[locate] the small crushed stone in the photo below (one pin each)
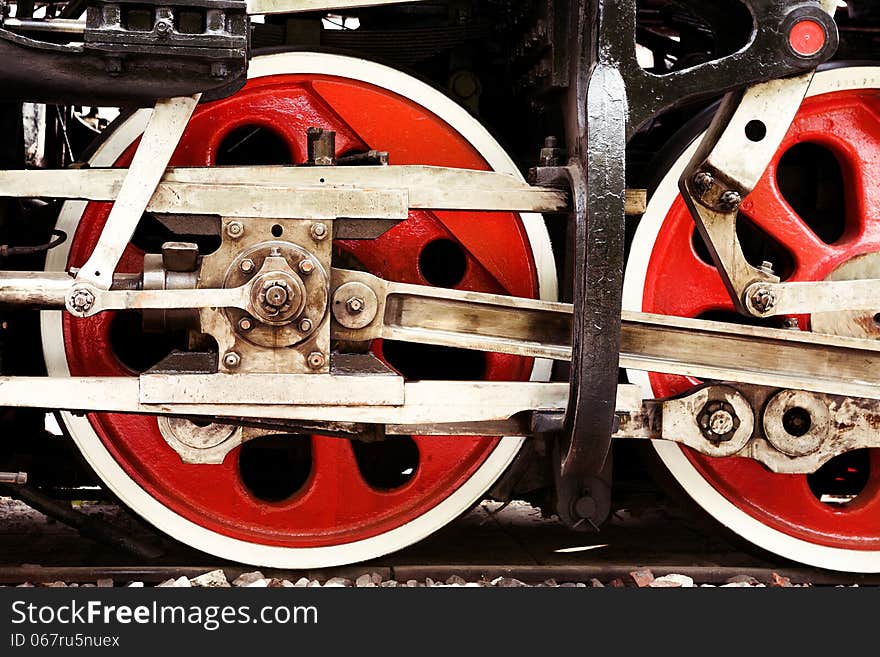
(639, 578)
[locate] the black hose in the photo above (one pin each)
(60, 238)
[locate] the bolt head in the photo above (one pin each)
(355, 304)
(235, 229)
(163, 27)
(703, 182)
(729, 201)
(763, 299)
(82, 300)
(247, 265)
(720, 422)
(306, 266)
(318, 231)
(231, 360)
(305, 325)
(316, 360)
(245, 324)
(276, 296)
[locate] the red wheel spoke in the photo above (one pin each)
(677, 265)
(862, 176)
(336, 488)
(766, 208)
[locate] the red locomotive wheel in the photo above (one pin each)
(815, 215)
(306, 501)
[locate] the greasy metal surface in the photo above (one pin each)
(361, 192)
(113, 65)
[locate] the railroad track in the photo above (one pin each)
(513, 543)
(531, 574)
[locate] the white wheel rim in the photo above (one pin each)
(136, 498)
(672, 456)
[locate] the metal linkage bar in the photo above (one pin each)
(157, 145)
(454, 318)
(298, 192)
(789, 431)
(365, 308)
(744, 136)
(300, 6)
(424, 402)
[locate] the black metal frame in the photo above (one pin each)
(610, 98)
(121, 63)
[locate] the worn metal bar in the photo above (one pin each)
(599, 258)
(274, 389)
(301, 6)
(299, 192)
(157, 145)
(458, 318)
(13, 477)
(425, 401)
(489, 322)
(51, 25)
(796, 298)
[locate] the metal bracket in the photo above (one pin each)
(789, 431)
(157, 145)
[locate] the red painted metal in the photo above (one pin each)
(807, 37)
(335, 505)
(679, 283)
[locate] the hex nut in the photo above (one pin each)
(318, 231)
(316, 360)
(718, 421)
(231, 360)
(235, 229)
(247, 265)
(762, 299)
(729, 201)
(703, 182)
(355, 304)
(163, 27)
(306, 266)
